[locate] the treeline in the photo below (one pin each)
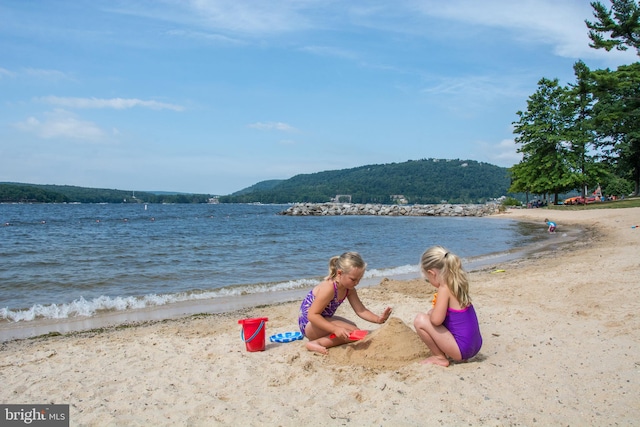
(587, 133)
(423, 181)
(37, 193)
(29, 194)
(418, 181)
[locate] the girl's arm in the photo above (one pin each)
(439, 311)
(363, 312)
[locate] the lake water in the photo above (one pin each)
(70, 261)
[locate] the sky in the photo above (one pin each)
(213, 96)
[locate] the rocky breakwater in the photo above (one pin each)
(328, 209)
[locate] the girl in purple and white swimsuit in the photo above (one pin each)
(450, 329)
(317, 320)
(328, 311)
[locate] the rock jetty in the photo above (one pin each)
(329, 209)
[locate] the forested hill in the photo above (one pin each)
(37, 193)
(419, 181)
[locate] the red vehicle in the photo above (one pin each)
(579, 200)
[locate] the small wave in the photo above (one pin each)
(82, 307)
(395, 271)
(87, 308)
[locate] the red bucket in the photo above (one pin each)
(253, 333)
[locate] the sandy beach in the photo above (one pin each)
(561, 347)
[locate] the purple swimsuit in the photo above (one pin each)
(463, 325)
(328, 311)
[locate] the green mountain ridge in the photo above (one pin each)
(415, 181)
(260, 186)
(14, 192)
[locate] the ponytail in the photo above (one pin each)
(450, 267)
(345, 262)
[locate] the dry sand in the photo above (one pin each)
(561, 347)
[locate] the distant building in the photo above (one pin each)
(399, 199)
(342, 198)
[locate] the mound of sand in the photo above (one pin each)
(392, 346)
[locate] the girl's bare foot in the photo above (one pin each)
(436, 360)
(314, 346)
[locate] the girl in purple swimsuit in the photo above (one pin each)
(316, 319)
(450, 329)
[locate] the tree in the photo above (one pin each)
(541, 131)
(614, 185)
(583, 157)
(522, 178)
(617, 118)
(618, 27)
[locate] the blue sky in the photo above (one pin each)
(212, 96)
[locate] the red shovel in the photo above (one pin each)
(356, 335)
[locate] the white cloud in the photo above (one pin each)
(559, 24)
(503, 153)
(61, 124)
(209, 37)
(253, 16)
(329, 51)
(115, 103)
(38, 73)
(272, 126)
(483, 87)
(45, 74)
(6, 73)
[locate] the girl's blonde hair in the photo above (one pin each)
(450, 271)
(345, 262)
